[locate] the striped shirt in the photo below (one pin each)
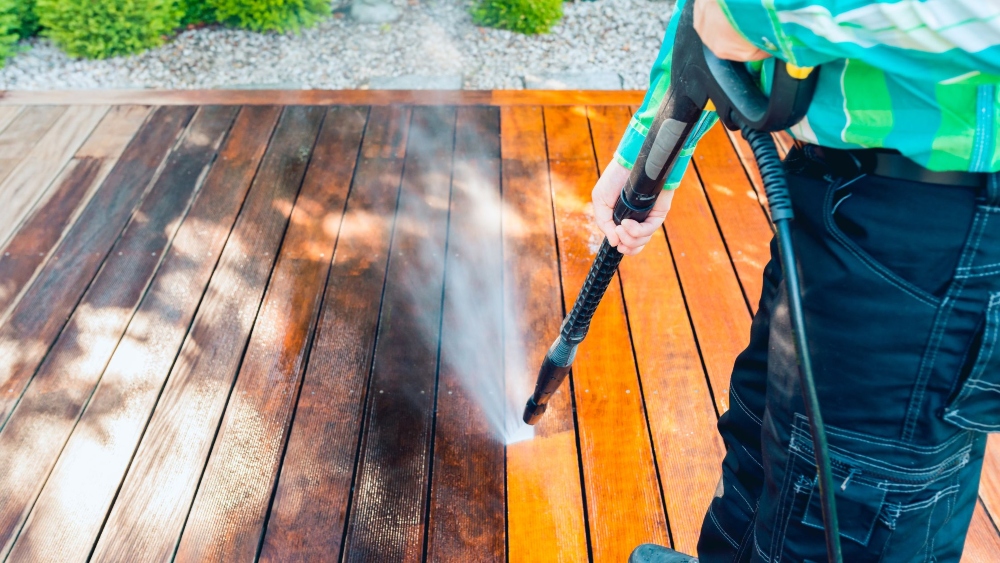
(918, 76)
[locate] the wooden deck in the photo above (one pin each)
(237, 332)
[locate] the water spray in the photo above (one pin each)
(701, 81)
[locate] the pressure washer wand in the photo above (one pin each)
(699, 78)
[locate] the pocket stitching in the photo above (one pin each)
(985, 355)
(870, 263)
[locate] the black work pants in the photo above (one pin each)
(901, 289)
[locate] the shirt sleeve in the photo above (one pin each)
(943, 41)
(638, 127)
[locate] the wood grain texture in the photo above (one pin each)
(147, 518)
(989, 484)
(715, 301)
(7, 114)
(614, 437)
(324, 97)
(227, 518)
(982, 544)
(681, 413)
(23, 133)
(744, 226)
(33, 324)
(544, 495)
(30, 181)
(387, 517)
(71, 509)
(745, 155)
(30, 246)
(309, 513)
(45, 416)
(467, 509)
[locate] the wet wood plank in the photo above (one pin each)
(467, 513)
(71, 509)
(30, 247)
(544, 495)
(45, 416)
(744, 226)
(36, 320)
(388, 513)
(719, 312)
(228, 515)
(307, 519)
(23, 133)
(30, 182)
(682, 417)
(614, 437)
(148, 516)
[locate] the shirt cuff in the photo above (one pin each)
(759, 25)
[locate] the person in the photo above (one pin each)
(897, 230)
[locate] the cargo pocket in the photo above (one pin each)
(976, 405)
(889, 495)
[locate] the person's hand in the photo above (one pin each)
(631, 236)
(719, 35)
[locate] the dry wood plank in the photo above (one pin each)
(23, 132)
(228, 515)
(614, 437)
(715, 301)
(29, 247)
(38, 428)
(387, 516)
(544, 495)
(745, 155)
(323, 97)
(41, 313)
(681, 414)
(147, 518)
(30, 181)
(982, 543)
(309, 512)
(71, 509)
(744, 226)
(7, 114)
(467, 509)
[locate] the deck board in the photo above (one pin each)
(244, 380)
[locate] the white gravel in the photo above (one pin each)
(433, 38)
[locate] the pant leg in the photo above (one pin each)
(892, 354)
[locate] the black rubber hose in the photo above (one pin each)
(779, 200)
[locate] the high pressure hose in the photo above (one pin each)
(772, 173)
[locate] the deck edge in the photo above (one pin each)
(324, 97)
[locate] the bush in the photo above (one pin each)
(524, 16)
(25, 10)
(197, 12)
(10, 24)
(271, 15)
(104, 28)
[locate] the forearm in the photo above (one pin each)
(659, 81)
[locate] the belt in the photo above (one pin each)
(876, 162)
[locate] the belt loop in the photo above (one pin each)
(993, 189)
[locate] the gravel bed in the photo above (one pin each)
(432, 38)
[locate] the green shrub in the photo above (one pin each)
(197, 12)
(104, 28)
(271, 15)
(524, 16)
(10, 24)
(25, 10)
